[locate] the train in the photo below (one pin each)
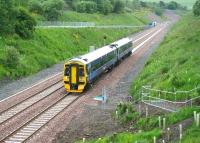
(83, 70)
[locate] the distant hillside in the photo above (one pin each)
(188, 3)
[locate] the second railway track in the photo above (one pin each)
(26, 131)
(20, 107)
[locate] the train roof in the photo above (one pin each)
(92, 56)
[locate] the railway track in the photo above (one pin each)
(22, 106)
(26, 131)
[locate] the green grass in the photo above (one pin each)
(188, 3)
(144, 137)
(50, 46)
(175, 64)
(111, 19)
(191, 135)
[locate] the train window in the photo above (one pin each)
(67, 71)
(81, 72)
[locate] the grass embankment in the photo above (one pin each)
(175, 64)
(50, 46)
(188, 3)
(135, 18)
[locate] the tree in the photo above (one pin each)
(105, 7)
(25, 23)
(162, 4)
(35, 6)
(118, 6)
(52, 9)
(172, 5)
(7, 16)
(196, 8)
(86, 6)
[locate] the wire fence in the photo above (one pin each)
(170, 101)
(62, 24)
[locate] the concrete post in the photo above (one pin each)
(195, 116)
(164, 123)
(197, 120)
(180, 131)
(159, 121)
(146, 111)
(154, 139)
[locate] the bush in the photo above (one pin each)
(172, 5)
(105, 7)
(119, 6)
(35, 6)
(158, 11)
(25, 24)
(11, 57)
(196, 8)
(86, 7)
(52, 9)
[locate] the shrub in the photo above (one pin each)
(25, 24)
(52, 9)
(86, 7)
(172, 5)
(11, 57)
(105, 7)
(196, 8)
(158, 11)
(35, 6)
(119, 6)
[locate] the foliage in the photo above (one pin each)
(52, 9)
(118, 6)
(172, 5)
(7, 17)
(86, 7)
(196, 8)
(125, 137)
(158, 11)
(35, 6)
(11, 57)
(170, 66)
(191, 135)
(25, 24)
(126, 112)
(105, 7)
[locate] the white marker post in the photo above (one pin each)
(164, 123)
(168, 133)
(83, 139)
(146, 111)
(197, 120)
(181, 131)
(159, 121)
(195, 116)
(154, 139)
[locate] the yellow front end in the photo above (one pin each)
(75, 76)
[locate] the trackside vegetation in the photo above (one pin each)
(175, 64)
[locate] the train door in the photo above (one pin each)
(74, 76)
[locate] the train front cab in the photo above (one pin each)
(75, 77)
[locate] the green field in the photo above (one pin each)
(50, 46)
(188, 3)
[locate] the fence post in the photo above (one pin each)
(181, 131)
(154, 139)
(195, 116)
(159, 121)
(83, 139)
(197, 120)
(164, 123)
(140, 110)
(146, 111)
(168, 134)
